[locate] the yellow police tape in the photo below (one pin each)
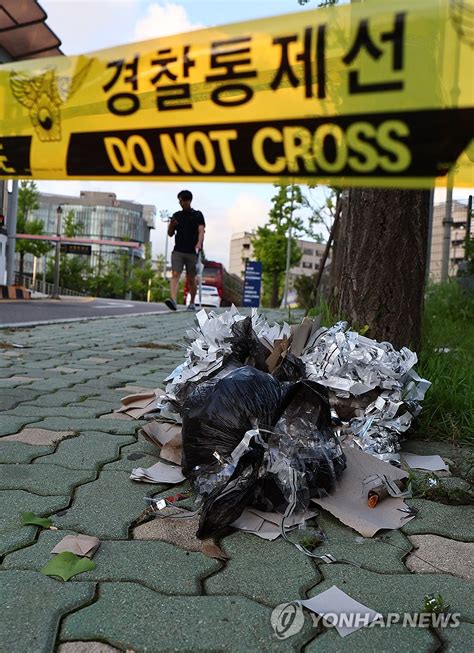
(371, 94)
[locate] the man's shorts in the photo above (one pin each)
(179, 260)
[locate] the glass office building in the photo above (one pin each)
(102, 217)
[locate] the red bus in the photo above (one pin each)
(229, 286)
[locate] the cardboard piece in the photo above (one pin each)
(431, 463)
(159, 433)
(336, 602)
(158, 473)
(267, 525)
(172, 451)
(300, 335)
(138, 405)
(81, 545)
(348, 502)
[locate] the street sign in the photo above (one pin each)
(72, 248)
(252, 284)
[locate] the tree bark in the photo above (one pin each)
(382, 276)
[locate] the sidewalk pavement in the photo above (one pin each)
(64, 455)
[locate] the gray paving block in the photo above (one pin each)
(34, 630)
(383, 553)
(148, 453)
(7, 403)
(115, 426)
(439, 554)
(19, 452)
(459, 639)
(376, 638)
(42, 479)
(87, 647)
(70, 412)
(87, 451)
(175, 623)
(12, 503)
(157, 565)
(51, 384)
(107, 507)
(60, 398)
(9, 425)
(23, 394)
(285, 573)
(397, 592)
(437, 518)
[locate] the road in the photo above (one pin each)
(67, 309)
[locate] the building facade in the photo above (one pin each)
(102, 217)
(458, 238)
(241, 251)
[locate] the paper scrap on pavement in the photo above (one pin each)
(81, 545)
(159, 433)
(172, 451)
(336, 602)
(138, 405)
(267, 525)
(431, 463)
(348, 502)
(158, 473)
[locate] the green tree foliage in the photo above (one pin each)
(322, 213)
(71, 228)
(28, 196)
(270, 241)
(74, 273)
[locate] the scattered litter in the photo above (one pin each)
(138, 405)
(268, 525)
(81, 545)
(349, 501)
(158, 473)
(333, 603)
(66, 565)
(29, 518)
(431, 463)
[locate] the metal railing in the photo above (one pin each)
(45, 287)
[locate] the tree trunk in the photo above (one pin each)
(384, 246)
(275, 288)
(22, 265)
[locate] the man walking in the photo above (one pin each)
(188, 225)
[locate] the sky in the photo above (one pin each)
(89, 25)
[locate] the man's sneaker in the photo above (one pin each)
(191, 307)
(171, 304)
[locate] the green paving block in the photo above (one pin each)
(107, 507)
(59, 398)
(21, 394)
(32, 607)
(291, 571)
(161, 567)
(11, 424)
(459, 639)
(116, 426)
(398, 593)
(52, 384)
(19, 452)
(12, 503)
(42, 412)
(375, 638)
(383, 553)
(140, 454)
(42, 479)
(456, 522)
(87, 451)
(176, 623)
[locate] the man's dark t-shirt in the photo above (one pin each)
(187, 230)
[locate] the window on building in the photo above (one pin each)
(246, 245)
(307, 265)
(308, 251)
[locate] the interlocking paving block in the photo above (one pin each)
(61, 397)
(95, 360)
(433, 553)
(87, 451)
(285, 574)
(9, 425)
(440, 519)
(17, 380)
(397, 592)
(25, 629)
(7, 403)
(383, 553)
(19, 452)
(12, 503)
(148, 453)
(159, 566)
(52, 384)
(116, 426)
(376, 638)
(21, 394)
(42, 412)
(107, 507)
(36, 437)
(87, 647)
(42, 479)
(175, 623)
(458, 640)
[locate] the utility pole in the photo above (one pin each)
(288, 251)
(11, 232)
(59, 212)
(447, 223)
